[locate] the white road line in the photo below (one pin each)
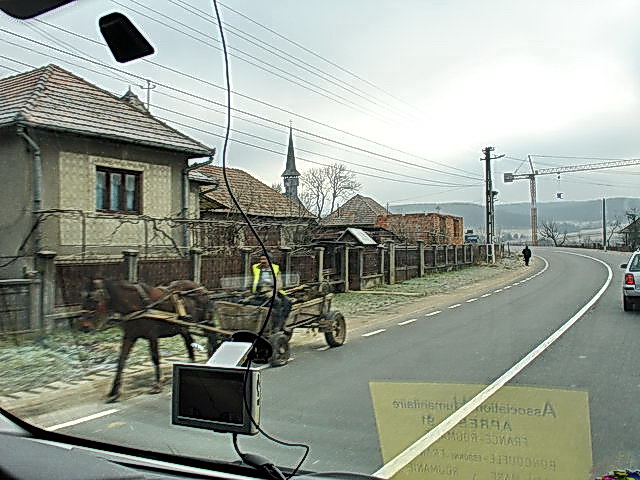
(485, 295)
(497, 291)
(401, 460)
(322, 349)
(407, 322)
(455, 305)
(82, 420)
(514, 284)
(472, 300)
(433, 313)
(375, 332)
(507, 287)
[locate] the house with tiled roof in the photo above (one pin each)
(358, 211)
(84, 168)
(276, 216)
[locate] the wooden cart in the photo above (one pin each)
(315, 313)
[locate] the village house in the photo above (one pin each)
(86, 173)
(631, 234)
(431, 228)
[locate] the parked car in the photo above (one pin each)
(631, 281)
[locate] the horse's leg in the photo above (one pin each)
(125, 348)
(155, 356)
(188, 342)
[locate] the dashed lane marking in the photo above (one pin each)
(472, 300)
(497, 291)
(322, 349)
(485, 295)
(375, 332)
(407, 322)
(507, 287)
(433, 313)
(456, 305)
(83, 419)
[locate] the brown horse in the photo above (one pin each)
(108, 296)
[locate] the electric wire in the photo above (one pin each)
(303, 117)
(274, 292)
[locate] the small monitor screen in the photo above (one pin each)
(211, 395)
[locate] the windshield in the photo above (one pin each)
(422, 210)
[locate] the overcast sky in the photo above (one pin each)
(431, 82)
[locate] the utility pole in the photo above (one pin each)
(604, 224)
(489, 194)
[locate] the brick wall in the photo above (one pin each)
(432, 228)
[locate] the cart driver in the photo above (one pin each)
(263, 286)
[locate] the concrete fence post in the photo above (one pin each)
(246, 266)
(435, 255)
(320, 263)
(45, 265)
(421, 258)
(196, 264)
(446, 255)
(392, 263)
(131, 264)
(345, 272)
(287, 266)
(381, 262)
(360, 250)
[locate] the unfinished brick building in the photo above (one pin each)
(432, 228)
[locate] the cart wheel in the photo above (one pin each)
(280, 344)
(338, 333)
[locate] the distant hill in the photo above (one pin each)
(576, 214)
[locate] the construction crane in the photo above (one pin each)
(510, 177)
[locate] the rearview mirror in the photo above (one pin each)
(624, 265)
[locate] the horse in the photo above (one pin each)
(107, 296)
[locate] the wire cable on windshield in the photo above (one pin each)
(262, 247)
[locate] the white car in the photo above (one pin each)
(631, 281)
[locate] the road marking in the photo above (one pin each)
(375, 332)
(514, 284)
(497, 291)
(456, 305)
(507, 287)
(82, 420)
(485, 295)
(433, 313)
(397, 463)
(407, 322)
(322, 349)
(472, 300)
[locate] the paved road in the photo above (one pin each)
(323, 397)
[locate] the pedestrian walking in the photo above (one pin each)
(526, 253)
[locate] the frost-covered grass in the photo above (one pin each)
(432, 284)
(65, 355)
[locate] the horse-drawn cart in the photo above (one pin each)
(314, 313)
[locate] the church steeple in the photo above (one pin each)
(290, 175)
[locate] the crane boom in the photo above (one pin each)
(510, 177)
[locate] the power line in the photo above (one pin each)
(287, 57)
(302, 47)
(327, 93)
(380, 155)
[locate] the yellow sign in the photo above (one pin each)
(519, 433)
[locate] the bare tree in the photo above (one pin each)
(613, 228)
(277, 186)
(314, 191)
(323, 187)
(341, 181)
(551, 230)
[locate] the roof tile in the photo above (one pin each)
(358, 210)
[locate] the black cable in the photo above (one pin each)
(260, 242)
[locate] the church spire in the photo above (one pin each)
(291, 174)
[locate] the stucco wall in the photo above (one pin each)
(15, 201)
(68, 165)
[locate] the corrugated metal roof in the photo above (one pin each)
(360, 235)
(358, 210)
(255, 197)
(55, 99)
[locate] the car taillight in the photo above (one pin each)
(629, 280)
